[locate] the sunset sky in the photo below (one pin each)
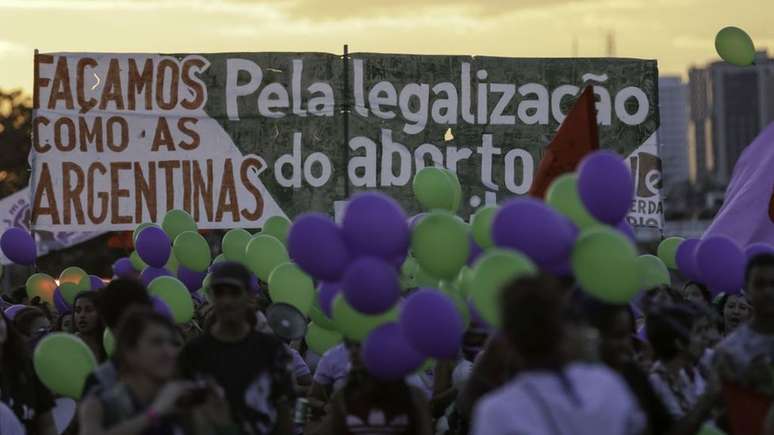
(678, 33)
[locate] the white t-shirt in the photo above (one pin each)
(680, 397)
(595, 400)
(333, 368)
(9, 424)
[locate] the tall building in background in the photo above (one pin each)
(729, 106)
(673, 132)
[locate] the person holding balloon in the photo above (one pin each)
(20, 387)
(252, 367)
(87, 323)
(147, 398)
(552, 394)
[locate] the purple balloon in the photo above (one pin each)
(192, 280)
(387, 354)
(721, 264)
(96, 282)
(686, 260)
(475, 252)
(150, 273)
(19, 246)
(375, 225)
(153, 246)
(431, 324)
(161, 307)
(255, 286)
(560, 269)
(605, 186)
(123, 268)
(371, 285)
(627, 230)
(13, 310)
(530, 226)
(60, 303)
(327, 293)
(757, 249)
(317, 245)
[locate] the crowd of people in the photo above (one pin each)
(671, 362)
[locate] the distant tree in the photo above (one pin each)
(15, 129)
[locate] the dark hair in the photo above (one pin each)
(760, 260)
(117, 297)
(533, 316)
(24, 319)
(667, 324)
(15, 356)
(134, 324)
(602, 315)
(705, 293)
(647, 301)
(19, 294)
(100, 329)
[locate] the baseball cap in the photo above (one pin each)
(230, 273)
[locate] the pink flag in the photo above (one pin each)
(747, 215)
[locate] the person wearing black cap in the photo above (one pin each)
(252, 367)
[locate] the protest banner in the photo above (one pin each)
(235, 138)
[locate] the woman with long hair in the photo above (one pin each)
(367, 404)
(87, 324)
(147, 398)
(20, 388)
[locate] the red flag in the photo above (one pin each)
(577, 136)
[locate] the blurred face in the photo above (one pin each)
(230, 303)
(704, 335)
(761, 290)
(616, 345)
(156, 353)
(693, 293)
(736, 311)
(67, 323)
(86, 317)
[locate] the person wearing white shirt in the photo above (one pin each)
(552, 396)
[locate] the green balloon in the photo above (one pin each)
(69, 291)
(235, 244)
(434, 189)
(653, 272)
(563, 197)
(605, 265)
(710, 429)
(456, 188)
(192, 251)
(424, 279)
(219, 259)
(354, 325)
(457, 296)
(318, 316)
(408, 272)
(277, 226)
(42, 286)
(141, 227)
(482, 226)
(289, 284)
(108, 342)
(176, 295)
(172, 264)
(492, 271)
(177, 222)
(137, 263)
(464, 280)
(735, 46)
(77, 276)
(320, 339)
(206, 287)
(63, 362)
(440, 244)
(667, 251)
(264, 253)
(426, 366)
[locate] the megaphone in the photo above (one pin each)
(286, 321)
